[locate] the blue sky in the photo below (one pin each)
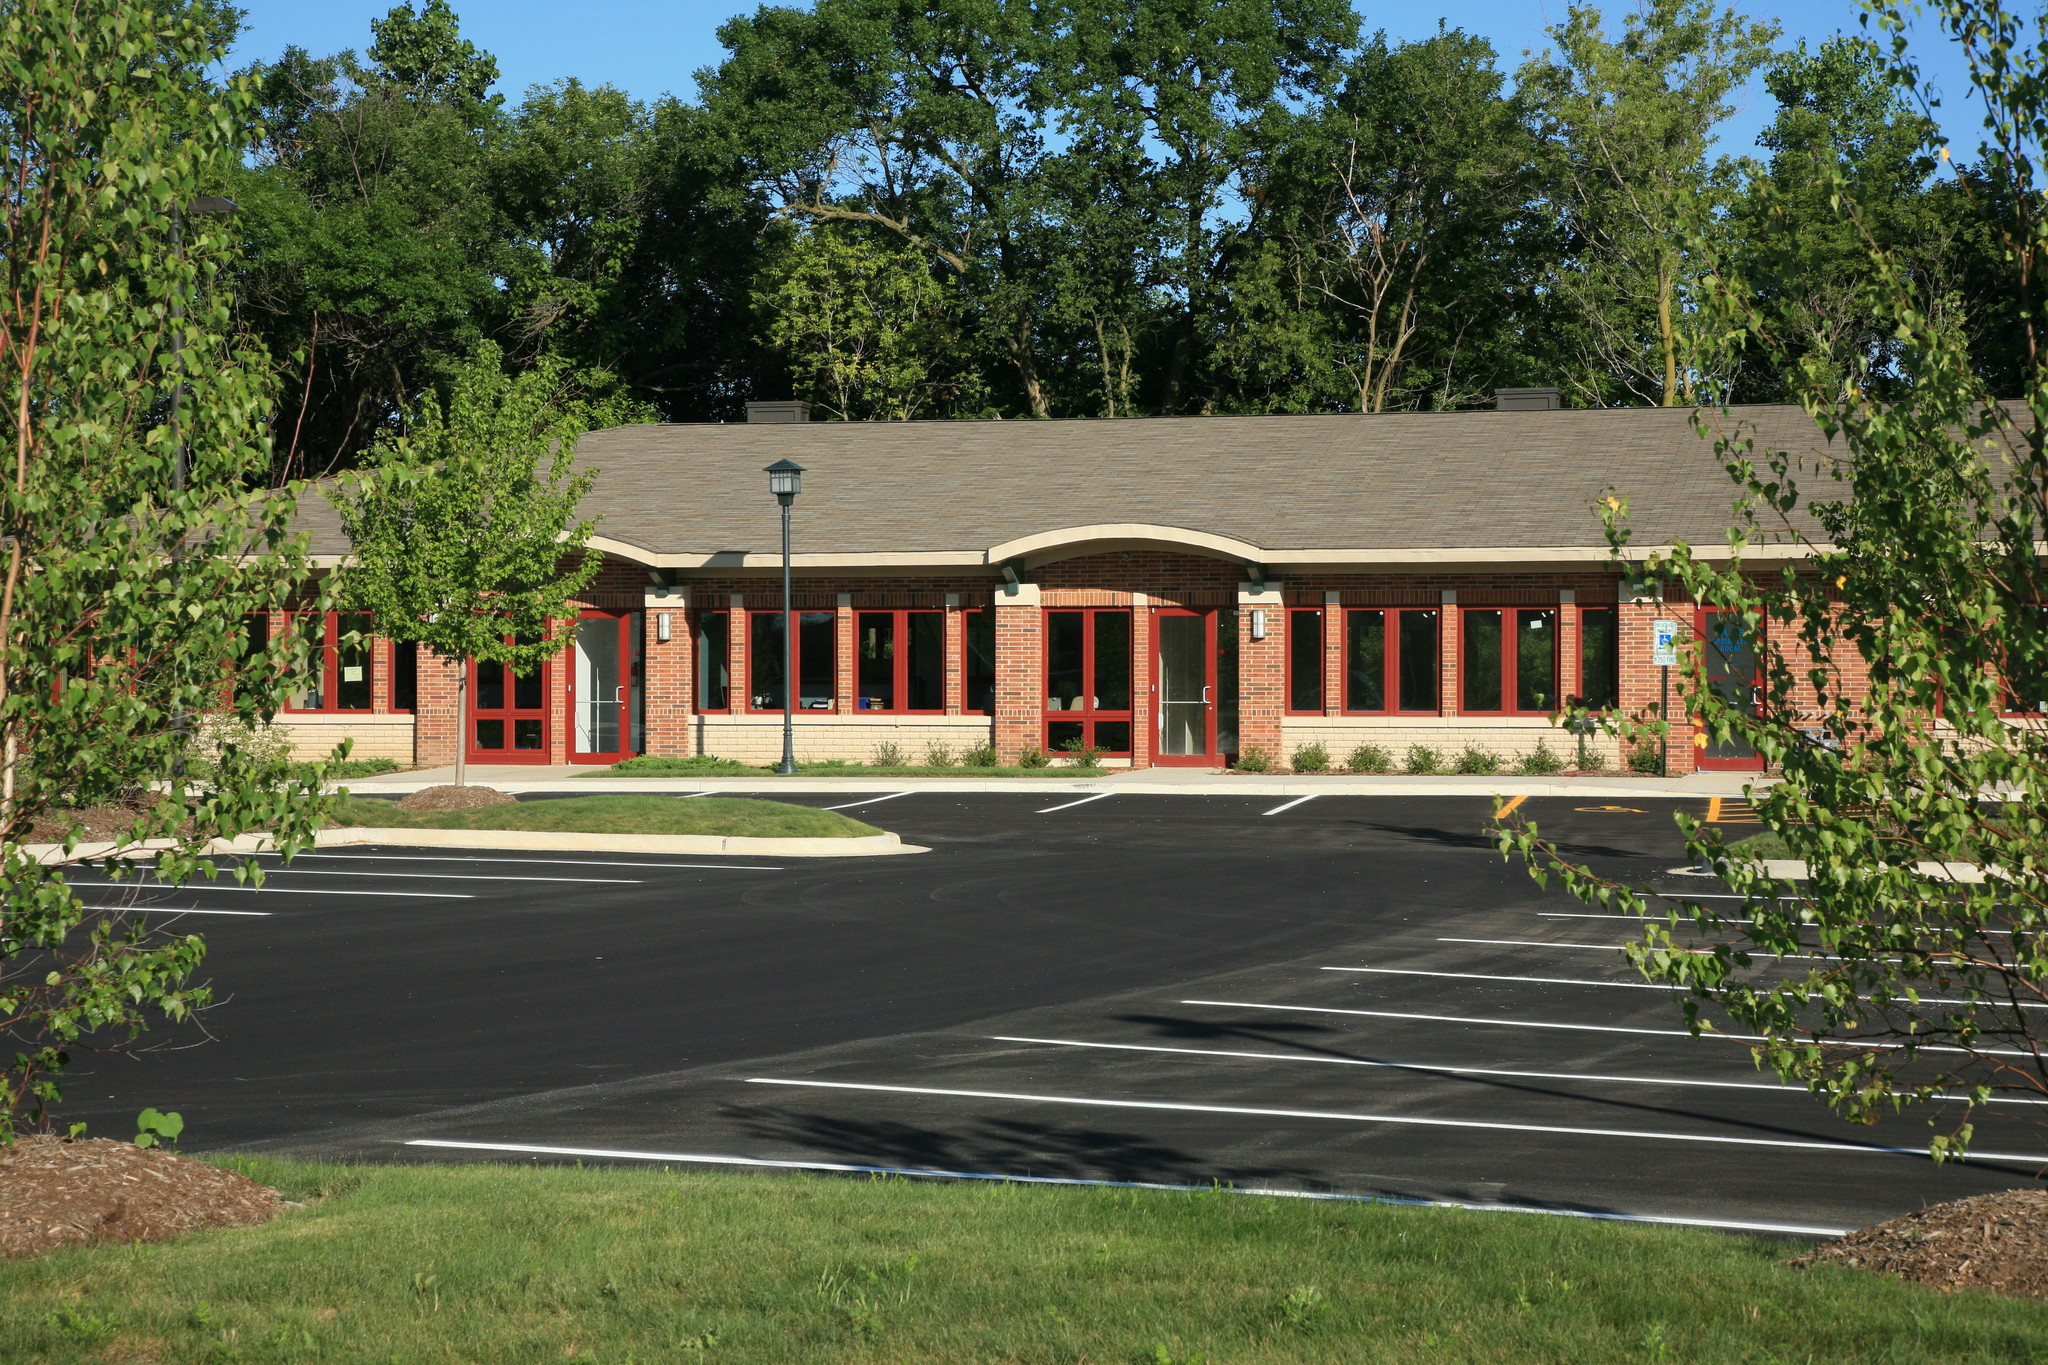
(653, 47)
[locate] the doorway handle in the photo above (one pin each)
(1205, 696)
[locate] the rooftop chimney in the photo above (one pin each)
(1525, 400)
(796, 410)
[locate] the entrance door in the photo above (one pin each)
(604, 687)
(1735, 673)
(508, 714)
(1197, 687)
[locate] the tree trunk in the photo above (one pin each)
(1667, 332)
(461, 710)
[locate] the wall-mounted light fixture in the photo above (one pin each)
(1258, 625)
(1010, 579)
(661, 627)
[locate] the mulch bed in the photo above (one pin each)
(454, 798)
(1996, 1242)
(56, 1193)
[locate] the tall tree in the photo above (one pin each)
(1404, 207)
(458, 524)
(130, 545)
(1902, 692)
(1626, 122)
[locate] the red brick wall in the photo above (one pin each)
(1020, 676)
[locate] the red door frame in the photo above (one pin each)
(510, 715)
(629, 738)
(1702, 626)
(1209, 758)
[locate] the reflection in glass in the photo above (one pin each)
(1732, 672)
(1064, 736)
(1226, 681)
(600, 688)
(1064, 660)
(765, 643)
(405, 675)
(1535, 660)
(490, 687)
(817, 657)
(526, 733)
(714, 661)
(311, 694)
(1480, 669)
(1113, 736)
(352, 648)
(1417, 660)
(1112, 661)
(1599, 659)
(981, 661)
(1183, 727)
(490, 734)
(924, 662)
(874, 641)
(1304, 661)
(1365, 661)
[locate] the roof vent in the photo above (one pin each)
(1522, 400)
(795, 410)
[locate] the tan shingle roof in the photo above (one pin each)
(1407, 481)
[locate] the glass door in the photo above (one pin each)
(1197, 687)
(1735, 673)
(605, 687)
(508, 714)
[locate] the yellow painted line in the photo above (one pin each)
(1713, 810)
(1509, 808)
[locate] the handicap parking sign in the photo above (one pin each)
(1664, 646)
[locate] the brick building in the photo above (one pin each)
(1163, 590)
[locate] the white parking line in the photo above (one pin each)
(523, 862)
(1622, 948)
(1642, 1134)
(1568, 914)
(452, 876)
(868, 801)
(1448, 1070)
(1582, 1028)
(1482, 976)
(173, 910)
(1071, 804)
(287, 890)
(615, 1154)
(1299, 800)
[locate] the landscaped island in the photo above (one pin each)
(718, 816)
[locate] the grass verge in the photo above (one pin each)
(618, 814)
(654, 765)
(482, 1263)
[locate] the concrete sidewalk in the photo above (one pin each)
(523, 778)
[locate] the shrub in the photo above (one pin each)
(1311, 758)
(1423, 759)
(1477, 762)
(1253, 760)
(937, 755)
(340, 770)
(888, 754)
(1369, 758)
(1646, 756)
(1034, 757)
(1079, 754)
(981, 755)
(1539, 762)
(262, 743)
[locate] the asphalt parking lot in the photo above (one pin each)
(1345, 994)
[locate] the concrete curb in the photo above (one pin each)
(770, 786)
(1794, 870)
(518, 840)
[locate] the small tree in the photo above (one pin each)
(463, 527)
(1890, 983)
(134, 535)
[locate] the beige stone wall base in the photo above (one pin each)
(850, 738)
(1510, 737)
(314, 736)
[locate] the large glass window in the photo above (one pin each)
(900, 660)
(405, 675)
(714, 661)
(817, 660)
(1088, 680)
(1390, 653)
(337, 673)
(1599, 658)
(978, 678)
(1305, 660)
(1508, 659)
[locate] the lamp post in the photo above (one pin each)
(785, 477)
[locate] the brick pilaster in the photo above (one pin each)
(1261, 671)
(1020, 671)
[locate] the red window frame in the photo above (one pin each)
(1390, 662)
(330, 666)
(793, 665)
(1295, 660)
(1090, 717)
(866, 624)
(697, 619)
(1510, 660)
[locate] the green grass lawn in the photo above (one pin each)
(618, 814)
(652, 765)
(497, 1264)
